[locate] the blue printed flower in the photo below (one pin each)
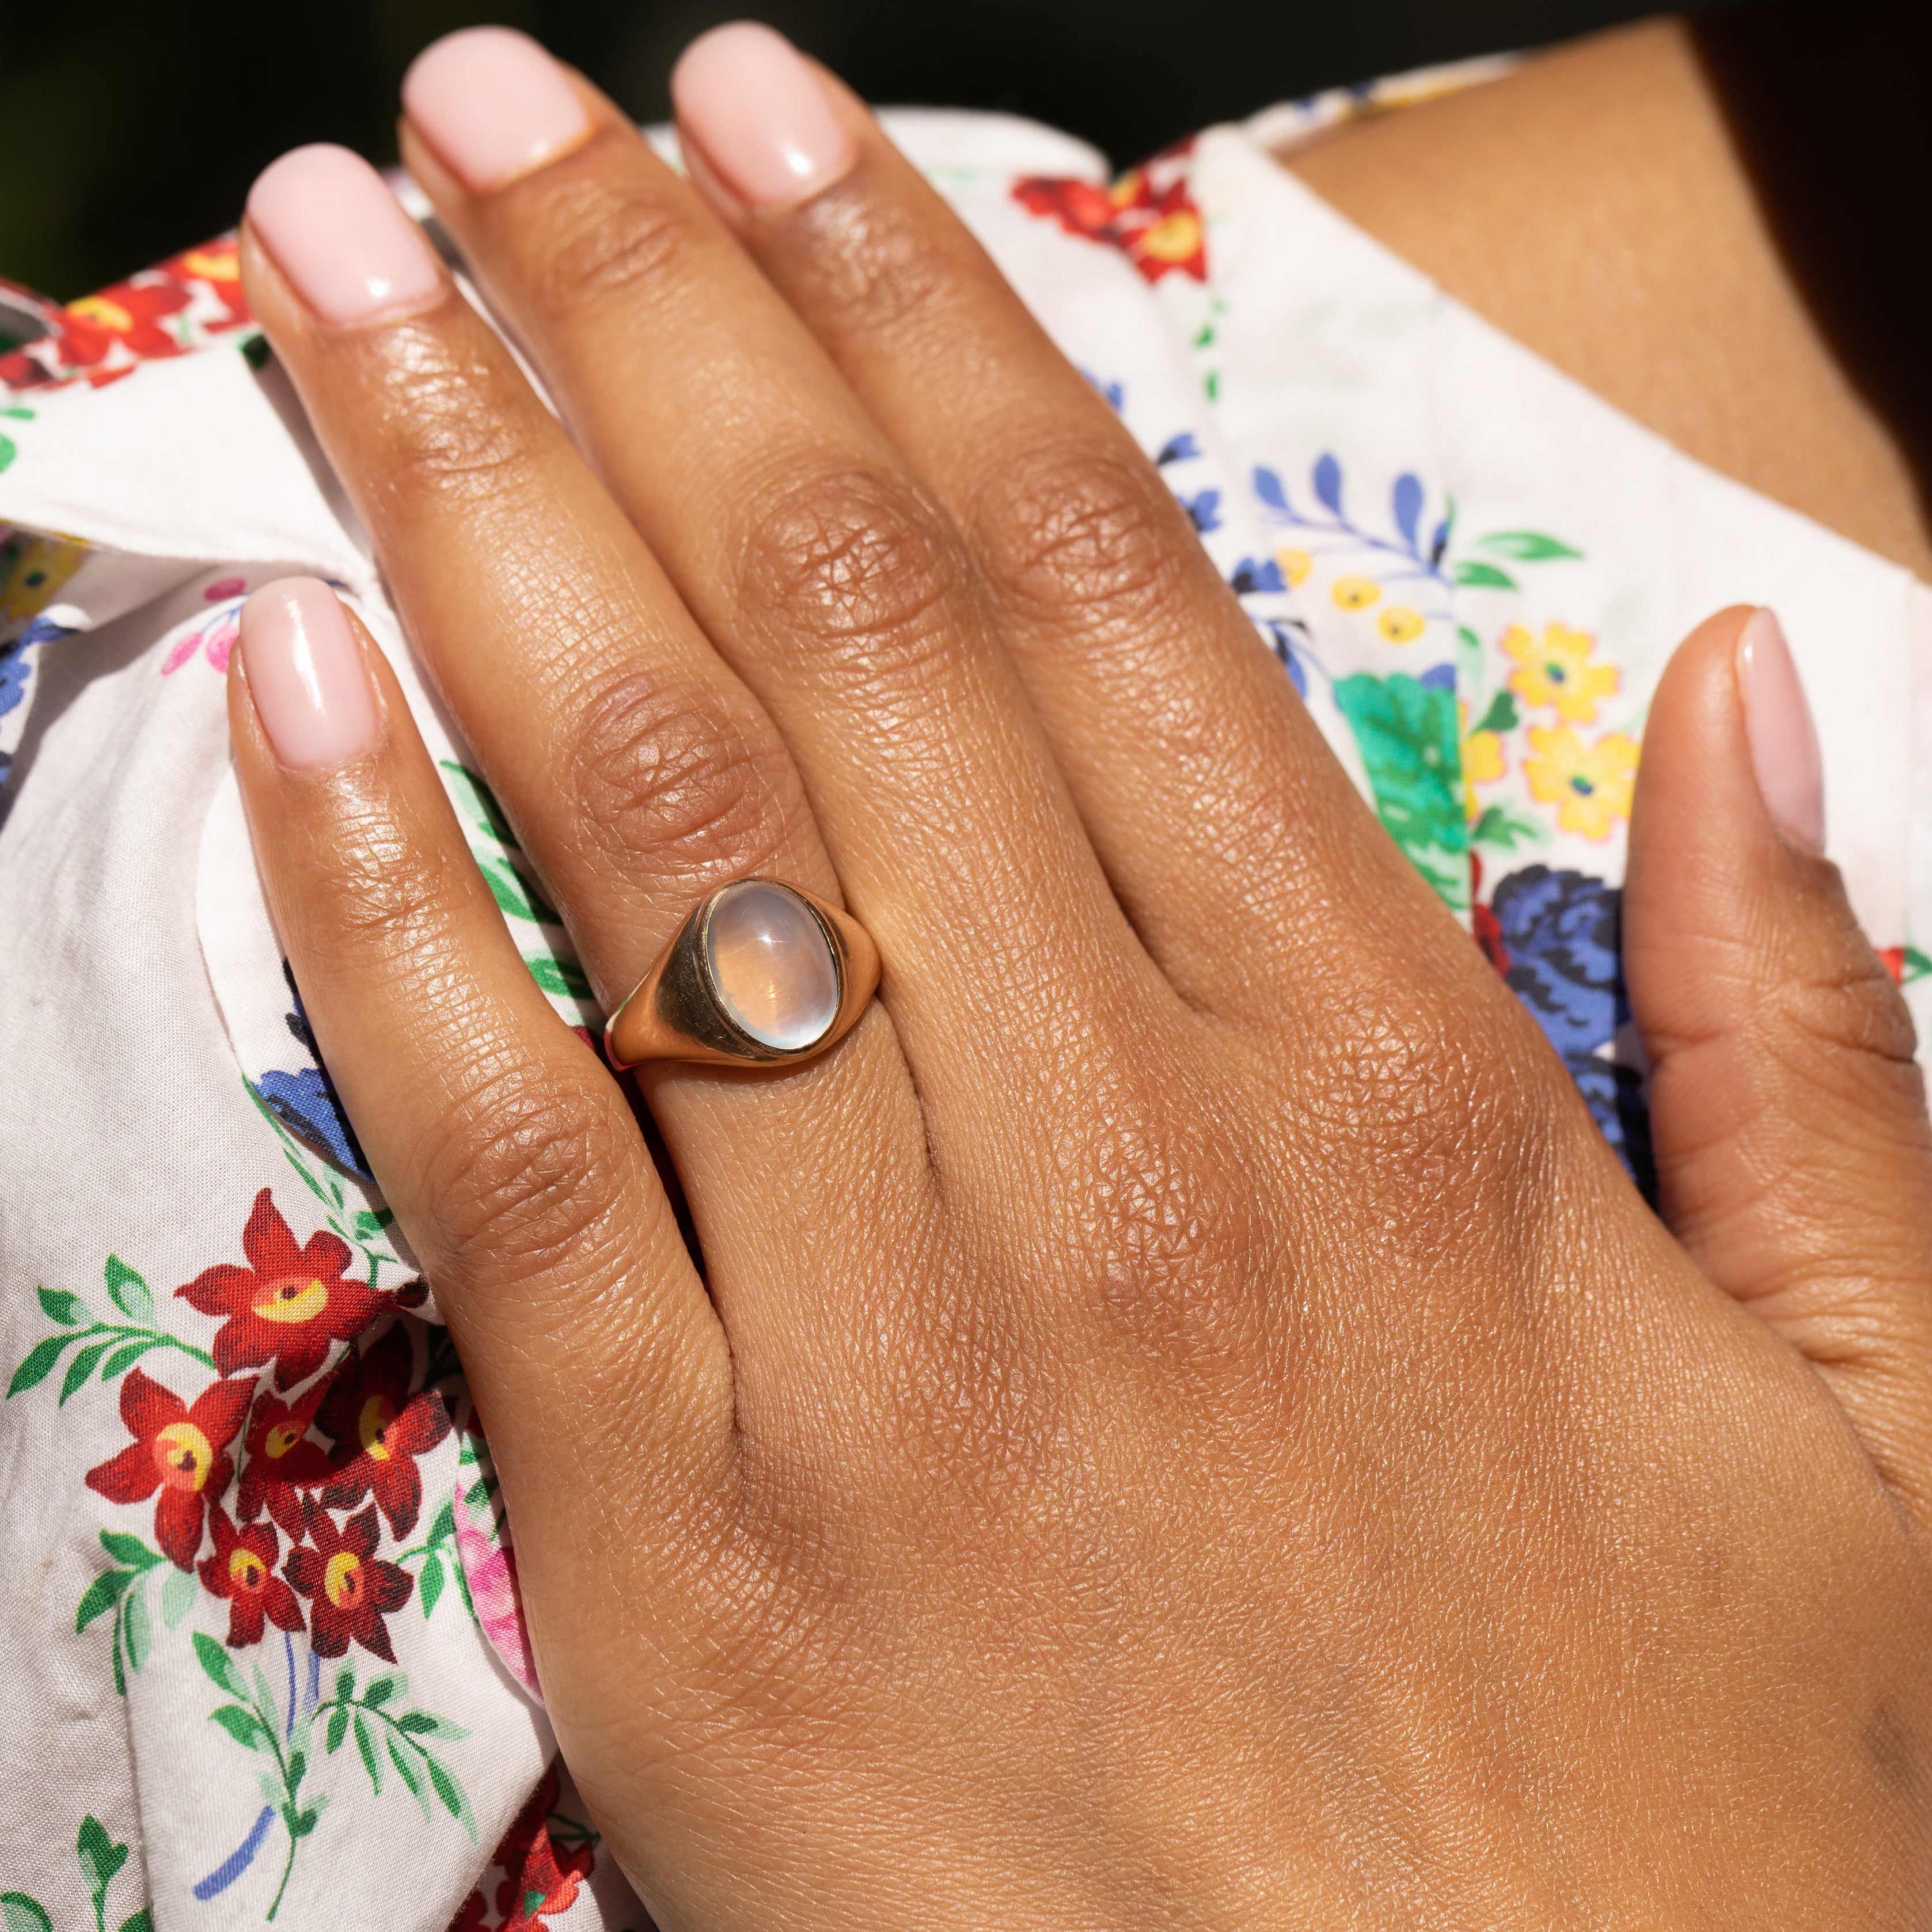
(1560, 936)
(1252, 575)
(1203, 510)
(305, 1101)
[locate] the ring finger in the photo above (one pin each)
(637, 771)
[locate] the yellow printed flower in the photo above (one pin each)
(110, 315)
(1558, 671)
(215, 265)
(1174, 238)
(1356, 593)
(1482, 763)
(1400, 625)
(1590, 784)
(1295, 566)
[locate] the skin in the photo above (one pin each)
(1185, 1423)
(1615, 206)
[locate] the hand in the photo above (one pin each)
(1184, 1421)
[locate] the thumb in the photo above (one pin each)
(1794, 1157)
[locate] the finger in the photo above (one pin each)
(1794, 1159)
(637, 771)
(824, 574)
(1201, 778)
(507, 1151)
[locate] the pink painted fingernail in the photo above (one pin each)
(337, 233)
(306, 675)
(493, 104)
(1783, 740)
(759, 116)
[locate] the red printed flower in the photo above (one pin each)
(352, 1588)
(289, 1303)
(278, 1459)
(536, 1884)
(243, 1570)
(1149, 214)
(384, 1428)
(179, 1451)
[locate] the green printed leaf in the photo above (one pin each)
(369, 1224)
(131, 1293)
(371, 1763)
(423, 1724)
(20, 1913)
(99, 1857)
(1406, 731)
(563, 977)
(298, 1768)
(178, 1596)
(1526, 546)
(454, 1801)
(430, 1586)
(1506, 829)
(114, 1652)
(380, 1692)
(39, 1364)
(442, 1525)
(57, 1305)
(102, 1594)
(81, 1366)
(242, 1725)
(131, 1550)
(141, 1922)
(137, 1629)
(8, 451)
(407, 1772)
(1476, 574)
(508, 889)
(219, 1665)
(338, 1729)
(345, 1686)
(1917, 965)
(480, 801)
(124, 1358)
(1501, 716)
(304, 1823)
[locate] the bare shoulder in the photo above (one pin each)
(1650, 211)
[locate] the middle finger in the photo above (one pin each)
(819, 566)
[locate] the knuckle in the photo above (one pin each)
(393, 886)
(1848, 1006)
(878, 266)
(524, 1171)
(1088, 539)
(600, 239)
(673, 787)
(860, 567)
(451, 430)
(1177, 1242)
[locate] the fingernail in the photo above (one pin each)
(306, 675)
(493, 104)
(758, 113)
(337, 233)
(1783, 740)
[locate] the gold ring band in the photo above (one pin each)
(759, 974)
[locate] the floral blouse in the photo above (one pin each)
(264, 1659)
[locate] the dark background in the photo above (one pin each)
(131, 128)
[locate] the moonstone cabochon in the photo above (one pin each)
(771, 965)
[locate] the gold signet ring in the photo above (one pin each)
(759, 974)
